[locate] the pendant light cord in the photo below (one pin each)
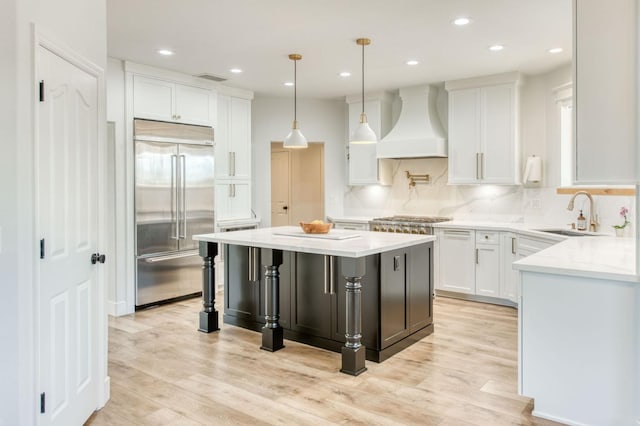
(295, 89)
(363, 78)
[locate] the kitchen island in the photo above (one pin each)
(579, 331)
(392, 272)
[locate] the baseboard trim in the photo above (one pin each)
(474, 298)
(556, 418)
(117, 309)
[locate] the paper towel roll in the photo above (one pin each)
(533, 169)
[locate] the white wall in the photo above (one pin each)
(80, 25)
(117, 296)
(320, 121)
(9, 330)
(540, 135)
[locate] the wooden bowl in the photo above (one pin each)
(316, 228)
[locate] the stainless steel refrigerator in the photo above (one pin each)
(174, 199)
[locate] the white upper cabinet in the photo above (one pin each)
(605, 51)
(233, 138)
(483, 130)
(364, 166)
(233, 200)
(158, 99)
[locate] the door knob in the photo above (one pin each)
(285, 207)
(97, 257)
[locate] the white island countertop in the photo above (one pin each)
(342, 242)
(608, 258)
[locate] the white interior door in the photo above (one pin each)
(67, 221)
(280, 188)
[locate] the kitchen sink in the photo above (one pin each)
(567, 232)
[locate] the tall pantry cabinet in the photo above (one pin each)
(233, 155)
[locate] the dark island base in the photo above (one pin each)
(312, 293)
(335, 346)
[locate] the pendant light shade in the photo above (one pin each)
(295, 138)
(363, 133)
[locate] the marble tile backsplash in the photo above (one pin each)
(526, 204)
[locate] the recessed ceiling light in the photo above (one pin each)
(288, 83)
(165, 52)
(555, 50)
(461, 21)
(496, 47)
(412, 62)
(345, 74)
(235, 70)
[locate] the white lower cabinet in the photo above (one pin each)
(479, 262)
(488, 271)
(509, 289)
(233, 200)
(457, 259)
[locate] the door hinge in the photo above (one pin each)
(41, 90)
(42, 248)
(42, 401)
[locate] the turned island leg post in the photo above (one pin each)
(353, 352)
(208, 315)
(272, 332)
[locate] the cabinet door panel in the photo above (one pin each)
(393, 297)
(488, 270)
(232, 200)
(153, 99)
(457, 260)
(194, 105)
(310, 307)
(464, 135)
(240, 141)
(605, 91)
(420, 287)
(363, 164)
(222, 135)
(497, 162)
(241, 297)
(510, 276)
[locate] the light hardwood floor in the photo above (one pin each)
(163, 371)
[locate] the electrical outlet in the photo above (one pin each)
(535, 204)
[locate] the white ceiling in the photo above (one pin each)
(213, 36)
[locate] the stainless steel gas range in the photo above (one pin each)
(406, 224)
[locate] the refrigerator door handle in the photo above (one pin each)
(183, 190)
(156, 259)
(174, 189)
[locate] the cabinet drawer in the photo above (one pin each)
(487, 237)
(533, 245)
(356, 226)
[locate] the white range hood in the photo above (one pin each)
(418, 132)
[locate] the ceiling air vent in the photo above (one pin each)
(211, 77)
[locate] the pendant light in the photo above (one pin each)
(295, 138)
(363, 133)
